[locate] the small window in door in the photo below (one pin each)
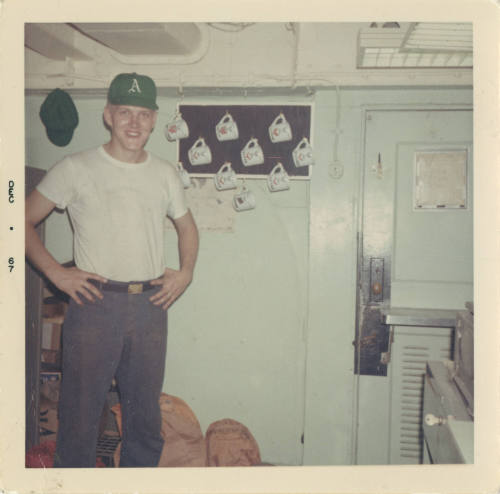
(440, 179)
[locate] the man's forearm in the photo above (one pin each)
(188, 241)
(188, 249)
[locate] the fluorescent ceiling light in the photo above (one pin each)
(420, 44)
(428, 36)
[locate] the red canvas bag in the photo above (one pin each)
(230, 443)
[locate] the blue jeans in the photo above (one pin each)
(122, 336)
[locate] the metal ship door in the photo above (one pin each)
(414, 251)
(415, 232)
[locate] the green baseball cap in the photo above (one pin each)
(134, 90)
(58, 114)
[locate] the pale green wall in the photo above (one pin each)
(236, 346)
(264, 334)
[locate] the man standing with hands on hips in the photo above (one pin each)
(117, 196)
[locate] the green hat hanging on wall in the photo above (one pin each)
(58, 114)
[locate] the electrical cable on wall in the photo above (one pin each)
(295, 28)
(337, 125)
(336, 169)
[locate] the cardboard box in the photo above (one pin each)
(50, 383)
(51, 335)
(48, 419)
(50, 376)
(54, 306)
(51, 357)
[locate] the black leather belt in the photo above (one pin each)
(131, 288)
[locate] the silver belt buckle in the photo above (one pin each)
(135, 288)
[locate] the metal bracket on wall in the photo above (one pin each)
(385, 357)
(372, 344)
(376, 280)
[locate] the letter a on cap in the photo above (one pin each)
(134, 88)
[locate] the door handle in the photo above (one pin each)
(431, 420)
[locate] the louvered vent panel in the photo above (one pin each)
(410, 352)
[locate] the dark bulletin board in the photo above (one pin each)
(252, 121)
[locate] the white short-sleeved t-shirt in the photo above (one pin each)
(117, 210)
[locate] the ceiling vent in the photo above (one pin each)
(129, 43)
